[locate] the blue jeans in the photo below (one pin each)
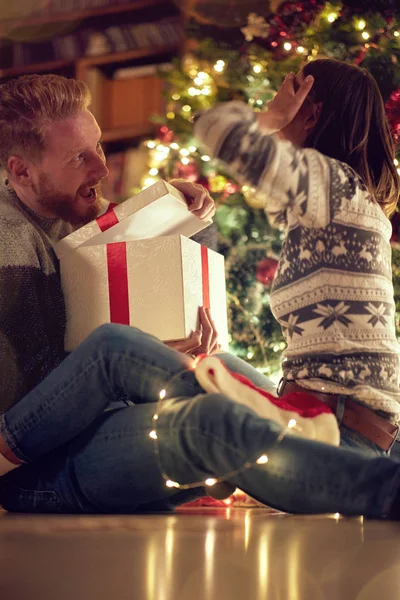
(85, 432)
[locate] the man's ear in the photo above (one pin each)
(20, 170)
(313, 116)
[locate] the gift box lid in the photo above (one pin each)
(157, 211)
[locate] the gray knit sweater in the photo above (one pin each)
(32, 313)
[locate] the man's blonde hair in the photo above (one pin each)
(29, 104)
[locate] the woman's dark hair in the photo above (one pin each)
(353, 127)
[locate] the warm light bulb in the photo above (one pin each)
(365, 35)
(184, 152)
(210, 481)
(287, 46)
(171, 115)
(262, 460)
(153, 434)
(153, 171)
(203, 76)
(192, 149)
(219, 67)
(162, 394)
(171, 484)
(396, 162)
(396, 34)
(257, 68)
(174, 146)
(186, 108)
(205, 158)
(185, 160)
(176, 96)
(155, 417)
(149, 181)
(332, 17)
(198, 81)
(151, 144)
(361, 24)
(250, 355)
(206, 91)
(300, 49)
(292, 423)
(192, 91)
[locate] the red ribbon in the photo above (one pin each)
(117, 270)
(205, 277)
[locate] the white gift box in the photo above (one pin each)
(134, 265)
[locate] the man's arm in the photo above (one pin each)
(27, 352)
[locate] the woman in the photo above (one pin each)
(332, 188)
(89, 455)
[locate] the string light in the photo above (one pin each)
(365, 35)
(148, 182)
(186, 108)
(396, 162)
(174, 146)
(300, 49)
(206, 91)
(185, 160)
(219, 66)
(151, 144)
(192, 91)
(203, 76)
(153, 171)
(361, 24)
(332, 17)
(287, 46)
(250, 355)
(184, 152)
(176, 97)
(171, 115)
(205, 158)
(396, 34)
(210, 481)
(257, 68)
(192, 149)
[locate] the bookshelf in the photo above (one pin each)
(149, 31)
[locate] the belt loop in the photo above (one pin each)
(341, 405)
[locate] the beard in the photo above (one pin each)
(68, 207)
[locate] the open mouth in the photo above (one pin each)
(88, 194)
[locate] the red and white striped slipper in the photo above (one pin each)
(314, 419)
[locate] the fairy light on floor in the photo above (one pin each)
(209, 481)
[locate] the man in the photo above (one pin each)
(50, 149)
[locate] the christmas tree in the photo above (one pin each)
(247, 58)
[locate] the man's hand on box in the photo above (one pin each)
(198, 200)
(202, 341)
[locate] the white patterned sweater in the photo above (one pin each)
(332, 293)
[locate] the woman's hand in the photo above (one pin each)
(198, 200)
(202, 341)
(286, 104)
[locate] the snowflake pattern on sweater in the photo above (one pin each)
(333, 292)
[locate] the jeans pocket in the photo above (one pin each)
(16, 499)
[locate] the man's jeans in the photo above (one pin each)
(91, 454)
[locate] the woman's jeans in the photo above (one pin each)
(85, 432)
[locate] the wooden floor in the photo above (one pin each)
(198, 554)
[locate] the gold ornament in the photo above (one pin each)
(217, 183)
(253, 199)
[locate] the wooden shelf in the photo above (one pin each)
(114, 57)
(126, 133)
(88, 61)
(52, 65)
(77, 15)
